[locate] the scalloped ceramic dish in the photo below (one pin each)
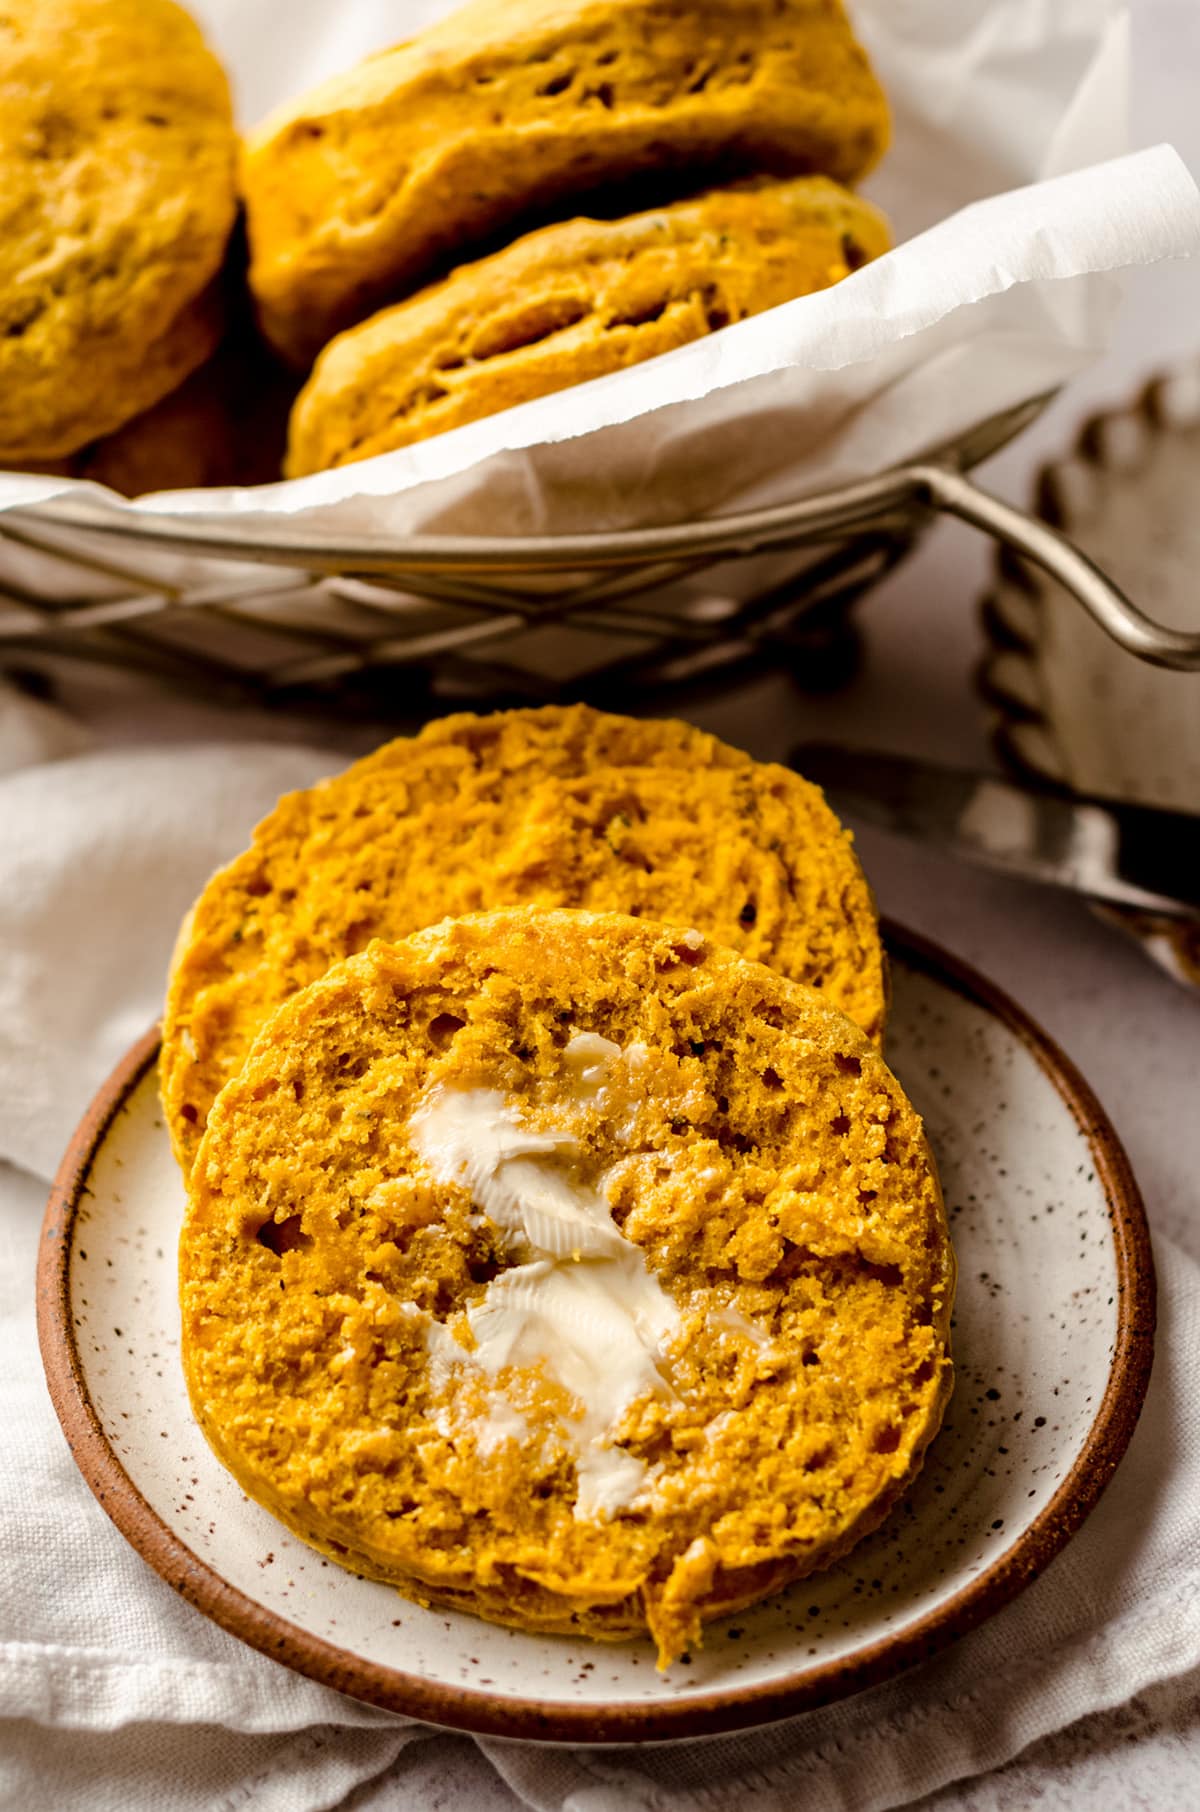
(1067, 706)
(1054, 1331)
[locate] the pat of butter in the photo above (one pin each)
(583, 1303)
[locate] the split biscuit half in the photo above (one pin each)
(569, 1270)
(563, 807)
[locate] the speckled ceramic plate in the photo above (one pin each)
(1054, 1329)
(1067, 705)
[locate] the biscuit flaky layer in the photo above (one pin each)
(570, 302)
(755, 1148)
(117, 197)
(553, 807)
(358, 190)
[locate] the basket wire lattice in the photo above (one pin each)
(202, 603)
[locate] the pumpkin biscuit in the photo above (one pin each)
(359, 189)
(117, 168)
(547, 808)
(569, 1270)
(223, 426)
(572, 302)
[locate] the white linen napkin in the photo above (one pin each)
(116, 1694)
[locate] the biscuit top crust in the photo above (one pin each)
(117, 197)
(357, 190)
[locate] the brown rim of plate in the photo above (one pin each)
(704, 1714)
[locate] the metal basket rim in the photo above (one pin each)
(835, 510)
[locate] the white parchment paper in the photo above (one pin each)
(1014, 209)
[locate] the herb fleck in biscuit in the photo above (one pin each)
(564, 1269)
(571, 302)
(550, 808)
(117, 168)
(358, 190)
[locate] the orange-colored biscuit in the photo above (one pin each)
(356, 191)
(553, 808)
(567, 1269)
(117, 197)
(571, 302)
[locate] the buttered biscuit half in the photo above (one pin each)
(570, 1270)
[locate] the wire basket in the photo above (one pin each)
(426, 619)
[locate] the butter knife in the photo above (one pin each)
(1112, 852)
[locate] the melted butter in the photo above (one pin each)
(589, 1061)
(731, 1321)
(582, 1303)
(503, 1422)
(589, 1058)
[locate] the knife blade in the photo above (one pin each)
(1120, 854)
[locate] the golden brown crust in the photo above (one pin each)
(225, 425)
(117, 167)
(360, 188)
(566, 807)
(758, 1151)
(572, 302)
(188, 439)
